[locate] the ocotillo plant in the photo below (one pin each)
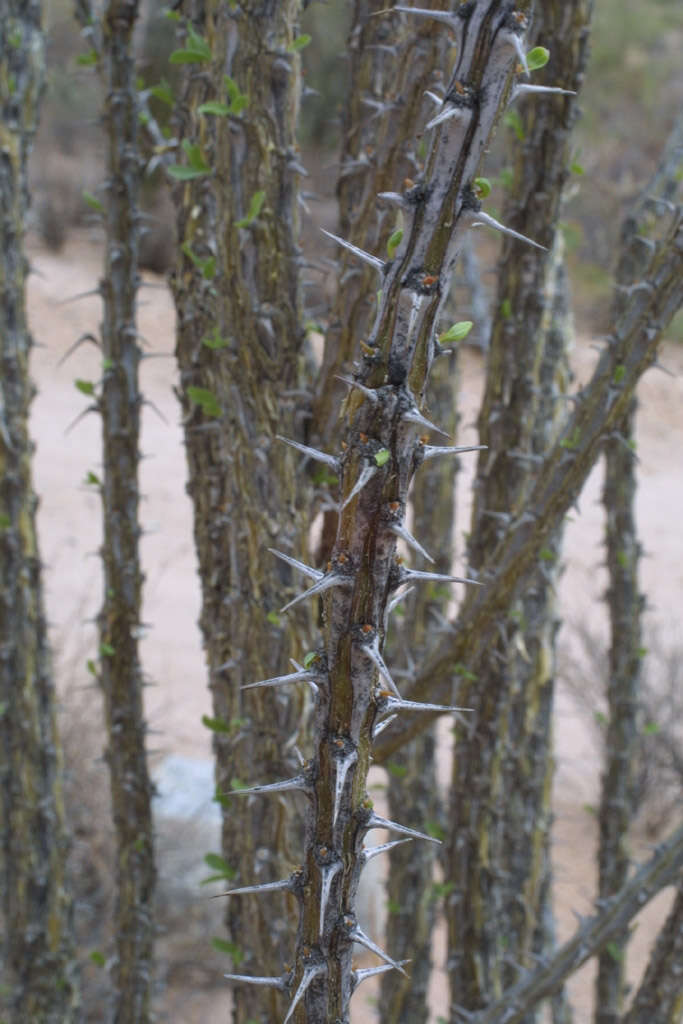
(37, 947)
(354, 689)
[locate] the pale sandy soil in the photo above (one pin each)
(69, 522)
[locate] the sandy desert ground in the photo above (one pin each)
(69, 521)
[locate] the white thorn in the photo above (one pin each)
(519, 50)
(286, 883)
(307, 570)
(485, 218)
(446, 115)
(358, 935)
(309, 974)
(430, 451)
(397, 598)
(313, 685)
(373, 261)
(393, 704)
(361, 973)
(369, 852)
(523, 87)
(298, 782)
(327, 872)
(342, 765)
(400, 530)
(302, 676)
(368, 392)
(415, 416)
(372, 652)
(378, 822)
(248, 979)
(366, 475)
(330, 580)
(313, 453)
(435, 577)
(381, 726)
(392, 197)
(442, 16)
(438, 100)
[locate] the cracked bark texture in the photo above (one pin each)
(413, 795)
(625, 602)
(498, 849)
(38, 957)
(120, 672)
(240, 339)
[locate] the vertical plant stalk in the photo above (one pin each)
(498, 850)
(393, 60)
(625, 603)
(120, 671)
(38, 956)
(660, 996)
(413, 795)
(239, 347)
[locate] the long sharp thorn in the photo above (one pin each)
(372, 652)
(442, 16)
(286, 883)
(358, 935)
(332, 580)
(342, 766)
(368, 392)
(303, 676)
(392, 704)
(523, 87)
(365, 477)
(438, 100)
(485, 218)
(310, 680)
(367, 257)
(378, 822)
(313, 453)
(381, 726)
(310, 973)
(415, 416)
(248, 979)
(519, 50)
(307, 570)
(397, 598)
(445, 115)
(72, 348)
(374, 851)
(327, 873)
(400, 530)
(436, 577)
(431, 451)
(298, 782)
(360, 974)
(392, 197)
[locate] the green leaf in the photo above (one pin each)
(98, 958)
(206, 399)
(399, 771)
(87, 60)
(86, 387)
(434, 829)
(93, 202)
(572, 441)
(619, 373)
(171, 14)
(622, 559)
(615, 951)
(162, 92)
(195, 156)
(309, 659)
(546, 555)
(92, 479)
(5, 521)
(382, 456)
(107, 651)
(255, 205)
(215, 341)
(537, 58)
(651, 729)
(231, 948)
(483, 187)
(600, 718)
(514, 121)
(91, 667)
(273, 618)
(238, 100)
(506, 177)
(196, 50)
(183, 173)
(457, 332)
(576, 168)
(506, 309)
(216, 724)
(214, 107)
(393, 907)
(219, 865)
(299, 43)
(394, 241)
